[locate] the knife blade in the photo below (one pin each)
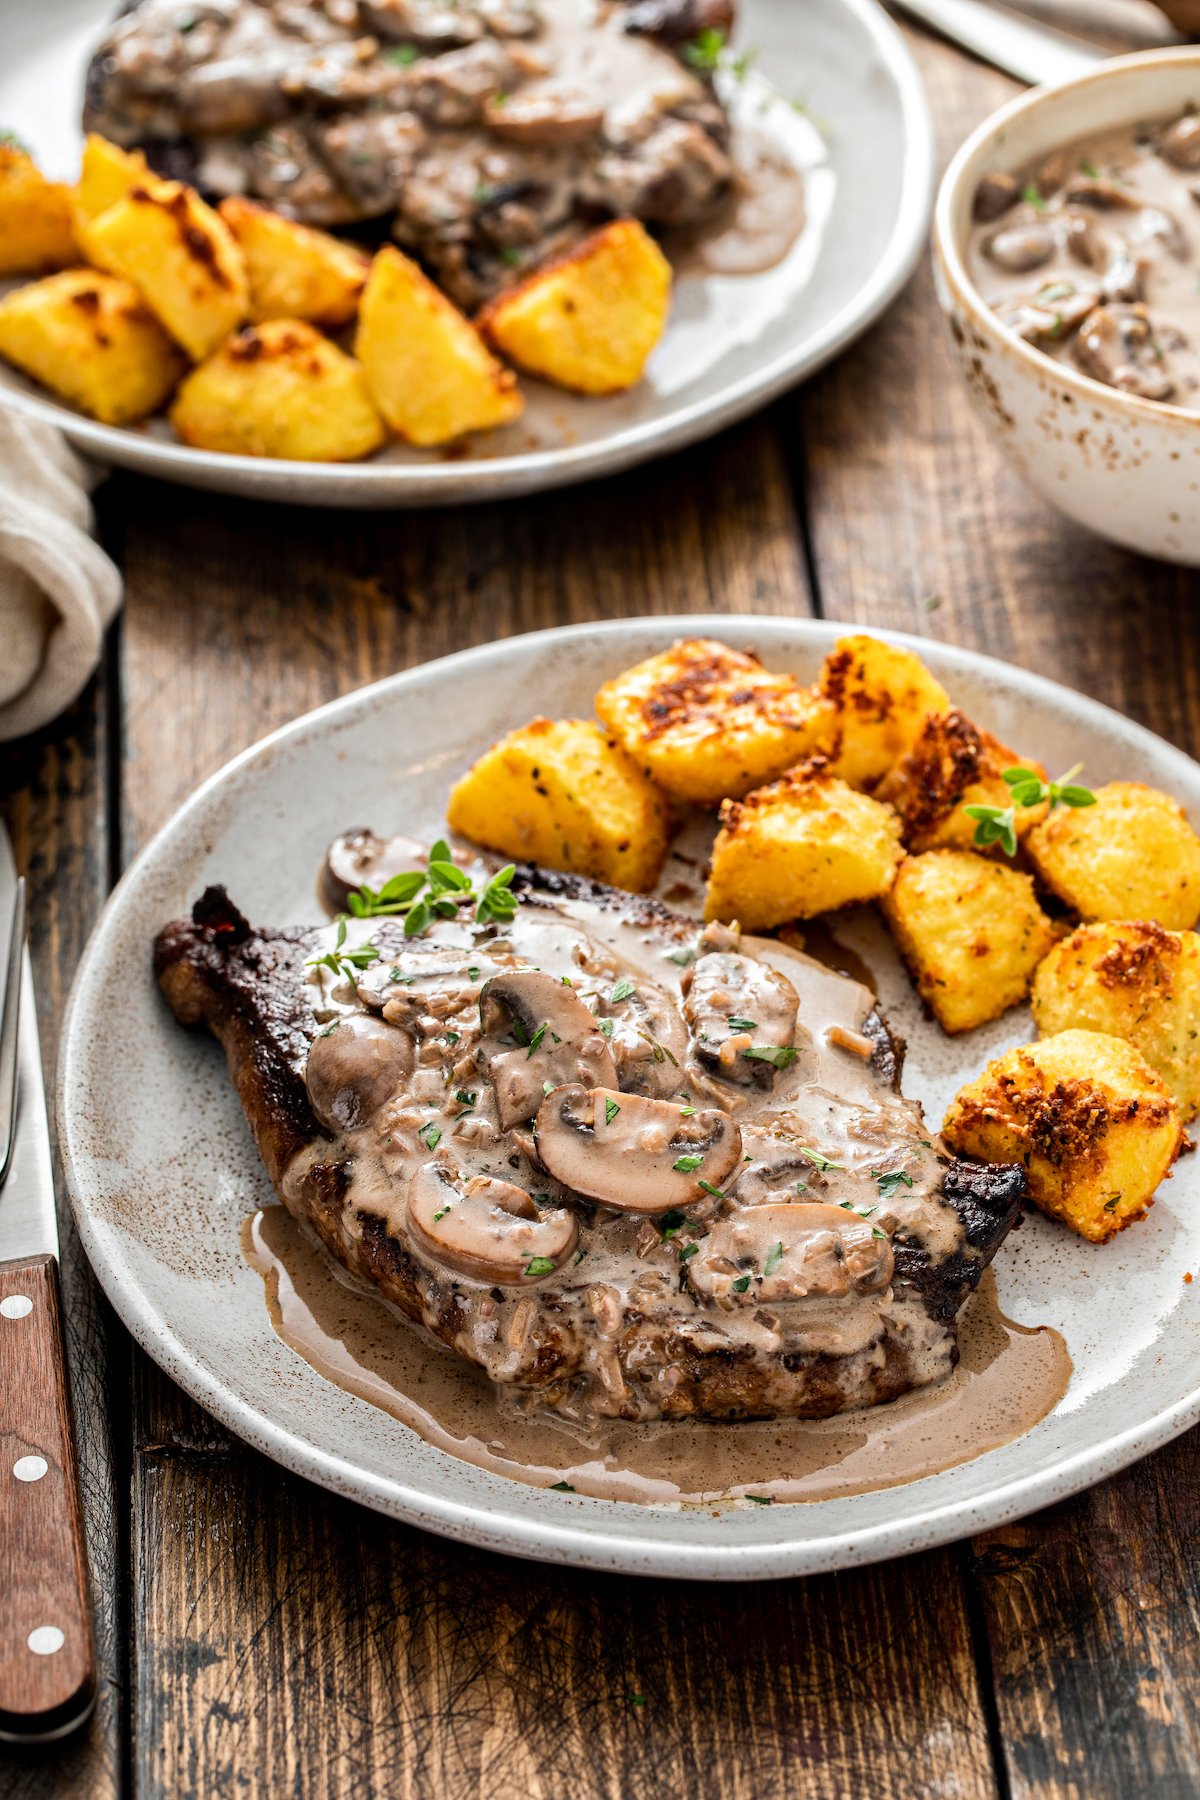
(47, 1648)
(1033, 53)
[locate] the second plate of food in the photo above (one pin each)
(181, 1221)
(829, 85)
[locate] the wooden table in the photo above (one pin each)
(258, 1637)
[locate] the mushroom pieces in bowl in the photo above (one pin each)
(1066, 252)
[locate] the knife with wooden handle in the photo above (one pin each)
(47, 1648)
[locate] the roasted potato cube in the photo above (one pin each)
(709, 723)
(1131, 856)
(90, 338)
(953, 765)
(182, 258)
(588, 320)
(36, 233)
(1135, 981)
(432, 376)
(880, 697)
(806, 844)
(107, 174)
(295, 272)
(1094, 1126)
(279, 389)
(971, 932)
(560, 793)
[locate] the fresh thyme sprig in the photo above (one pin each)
(437, 892)
(709, 51)
(998, 824)
(344, 963)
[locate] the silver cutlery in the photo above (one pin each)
(1022, 47)
(47, 1649)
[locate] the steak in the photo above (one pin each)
(631, 1167)
(492, 133)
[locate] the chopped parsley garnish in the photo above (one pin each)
(998, 824)
(671, 1224)
(329, 1029)
(10, 141)
(511, 257)
(682, 957)
(1087, 167)
(687, 1112)
(606, 1028)
(741, 1284)
(895, 1178)
(561, 1487)
(430, 1135)
(817, 1160)
(547, 1088)
(621, 991)
(402, 54)
(710, 1189)
(472, 972)
(463, 1097)
(442, 1211)
(1113, 1201)
(774, 1258)
(536, 1039)
(1032, 197)
(761, 1499)
(778, 1055)
(687, 1252)
(876, 1233)
(686, 1164)
(742, 1024)
(345, 963)
(452, 1037)
(611, 1109)
(539, 1265)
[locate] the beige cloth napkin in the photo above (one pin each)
(58, 590)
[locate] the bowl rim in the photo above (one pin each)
(951, 265)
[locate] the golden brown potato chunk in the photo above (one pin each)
(181, 257)
(1131, 856)
(107, 174)
(879, 695)
(1135, 981)
(36, 232)
(432, 376)
(589, 320)
(279, 389)
(296, 272)
(971, 932)
(92, 339)
(560, 793)
(708, 722)
(806, 844)
(1094, 1126)
(952, 765)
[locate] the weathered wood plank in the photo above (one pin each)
(917, 523)
(286, 1642)
(52, 795)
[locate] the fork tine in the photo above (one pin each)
(9, 1020)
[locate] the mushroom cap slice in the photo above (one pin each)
(557, 1038)
(353, 1066)
(790, 1252)
(485, 1229)
(736, 1006)
(649, 1040)
(359, 858)
(634, 1154)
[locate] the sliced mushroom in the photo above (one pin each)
(426, 977)
(486, 1229)
(544, 117)
(361, 859)
(354, 1065)
(557, 1042)
(1021, 247)
(1098, 190)
(634, 1154)
(736, 1008)
(994, 195)
(1051, 319)
(1053, 172)
(678, 21)
(1117, 346)
(1180, 142)
(649, 1042)
(792, 1252)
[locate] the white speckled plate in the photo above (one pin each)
(732, 344)
(162, 1169)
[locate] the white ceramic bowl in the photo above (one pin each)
(1127, 468)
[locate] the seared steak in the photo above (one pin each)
(493, 132)
(631, 1168)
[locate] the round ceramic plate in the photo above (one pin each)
(162, 1169)
(844, 103)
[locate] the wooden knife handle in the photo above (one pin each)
(47, 1650)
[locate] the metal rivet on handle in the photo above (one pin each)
(30, 1468)
(44, 1640)
(15, 1306)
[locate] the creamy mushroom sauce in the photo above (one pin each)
(819, 1279)
(1094, 256)
(496, 132)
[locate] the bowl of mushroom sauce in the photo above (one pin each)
(1067, 261)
